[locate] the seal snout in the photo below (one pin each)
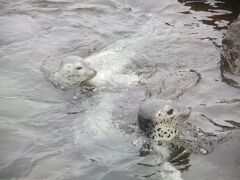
(94, 73)
(183, 116)
(187, 112)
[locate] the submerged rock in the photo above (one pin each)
(230, 61)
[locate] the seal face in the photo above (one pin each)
(73, 71)
(159, 119)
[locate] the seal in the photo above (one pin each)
(159, 119)
(73, 71)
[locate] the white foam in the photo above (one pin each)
(98, 136)
(169, 172)
(112, 61)
(110, 65)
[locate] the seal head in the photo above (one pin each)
(159, 119)
(73, 70)
(76, 68)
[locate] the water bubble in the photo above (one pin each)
(75, 97)
(203, 151)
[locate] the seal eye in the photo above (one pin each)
(169, 112)
(78, 68)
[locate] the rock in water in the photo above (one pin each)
(230, 61)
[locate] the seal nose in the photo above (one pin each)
(189, 108)
(94, 72)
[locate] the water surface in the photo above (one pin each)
(171, 48)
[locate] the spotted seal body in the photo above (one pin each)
(73, 70)
(159, 119)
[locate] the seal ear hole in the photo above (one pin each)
(169, 112)
(79, 68)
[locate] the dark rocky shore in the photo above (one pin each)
(230, 62)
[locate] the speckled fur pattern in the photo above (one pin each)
(163, 132)
(164, 126)
(161, 125)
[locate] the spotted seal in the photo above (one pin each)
(159, 119)
(73, 71)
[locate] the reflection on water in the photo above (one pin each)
(218, 14)
(158, 49)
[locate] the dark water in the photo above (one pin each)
(159, 49)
